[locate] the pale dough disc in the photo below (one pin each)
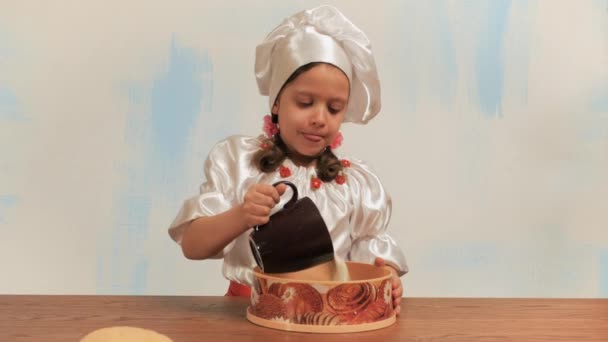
(125, 334)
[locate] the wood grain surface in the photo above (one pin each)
(183, 319)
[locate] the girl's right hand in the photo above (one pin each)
(259, 201)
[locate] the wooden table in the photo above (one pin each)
(68, 318)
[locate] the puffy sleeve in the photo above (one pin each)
(217, 194)
(370, 220)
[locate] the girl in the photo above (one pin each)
(318, 71)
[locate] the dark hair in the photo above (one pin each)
(269, 157)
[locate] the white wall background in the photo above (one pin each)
(493, 139)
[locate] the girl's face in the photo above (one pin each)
(311, 109)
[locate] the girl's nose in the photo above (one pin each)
(319, 116)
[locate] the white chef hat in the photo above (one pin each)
(321, 34)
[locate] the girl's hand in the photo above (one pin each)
(397, 286)
(259, 201)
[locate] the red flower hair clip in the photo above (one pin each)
(337, 142)
(270, 128)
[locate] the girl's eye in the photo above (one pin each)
(304, 104)
(334, 110)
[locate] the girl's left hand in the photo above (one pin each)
(397, 286)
